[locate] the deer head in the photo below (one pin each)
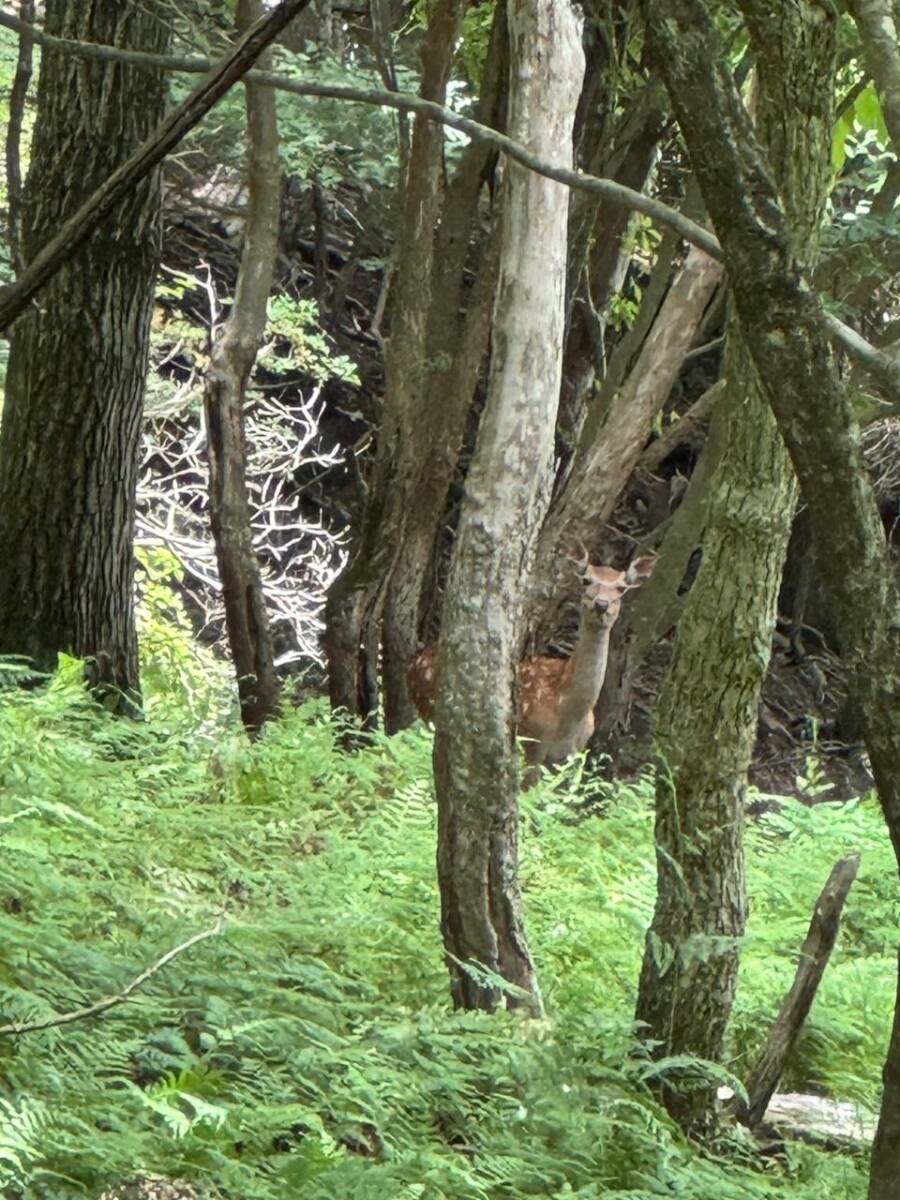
(604, 587)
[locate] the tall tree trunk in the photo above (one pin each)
(71, 420)
(356, 598)
(787, 335)
(231, 362)
(475, 757)
(705, 723)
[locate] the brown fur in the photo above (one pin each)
(544, 718)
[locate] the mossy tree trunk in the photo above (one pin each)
(507, 491)
(786, 333)
(71, 421)
(706, 716)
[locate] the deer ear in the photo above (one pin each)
(641, 569)
(580, 558)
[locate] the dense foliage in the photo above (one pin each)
(310, 1044)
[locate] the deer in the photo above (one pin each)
(556, 695)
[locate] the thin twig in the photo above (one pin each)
(99, 1006)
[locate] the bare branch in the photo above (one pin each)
(107, 1002)
(104, 201)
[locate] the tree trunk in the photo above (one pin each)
(658, 606)
(787, 334)
(706, 716)
(615, 434)
(475, 756)
(458, 334)
(71, 420)
(231, 362)
(357, 596)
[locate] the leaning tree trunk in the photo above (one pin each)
(71, 422)
(705, 722)
(475, 756)
(614, 435)
(786, 333)
(231, 362)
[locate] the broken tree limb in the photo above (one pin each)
(680, 431)
(814, 956)
(107, 1002)
(79, 227)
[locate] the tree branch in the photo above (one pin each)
(814, 955)
(103, 202)
(880, 366)
(100, 1006)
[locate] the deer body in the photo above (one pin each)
(556, 695)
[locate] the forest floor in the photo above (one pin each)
(309, 1048)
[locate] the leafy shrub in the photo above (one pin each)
(310, 1048)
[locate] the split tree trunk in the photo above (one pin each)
(71, 422)
(706, 716)
(231, 363)
(355, 600)
(507, 491)
(786, 333)
(458, 335)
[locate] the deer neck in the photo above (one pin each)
(587, 667)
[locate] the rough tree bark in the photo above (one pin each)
(475, 756)
(786, 332)
(17, 98)
(231, 362)
(71, 421)
(614, 436)
(706, 715)
(357, 596)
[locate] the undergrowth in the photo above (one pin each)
(309, 1049)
